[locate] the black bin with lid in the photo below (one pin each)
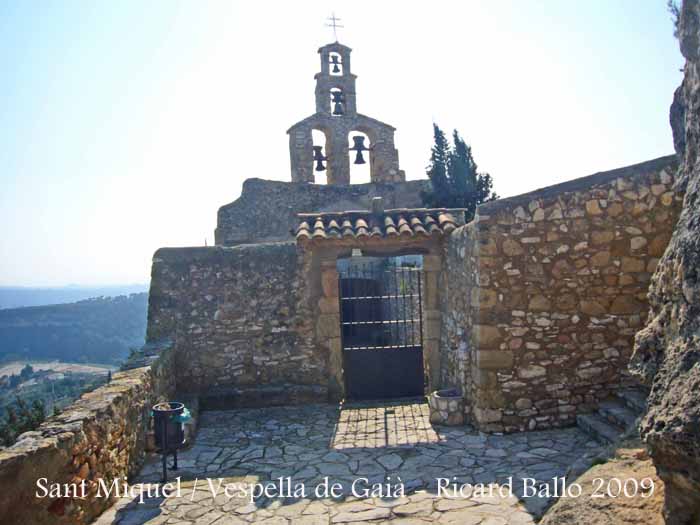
(169, 429)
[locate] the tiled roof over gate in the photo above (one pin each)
(398, 223)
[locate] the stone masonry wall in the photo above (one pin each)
(240, 323)
(563, 274)
(458, 304)
(100, 436)
(267, 210)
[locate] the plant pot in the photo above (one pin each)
(446, 407)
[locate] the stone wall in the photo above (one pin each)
(101, 436)
(267, 210)
(667, 350)
(563, 274)
(459, 306)
(240, 323)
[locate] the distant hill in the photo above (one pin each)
(19, 296)
(99, 330)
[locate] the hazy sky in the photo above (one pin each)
(125, 125)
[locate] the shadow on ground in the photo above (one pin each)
(385, 461)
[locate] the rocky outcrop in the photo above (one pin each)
(640, 505)
(667, 351)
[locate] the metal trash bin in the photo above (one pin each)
(168, 424)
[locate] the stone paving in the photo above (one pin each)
(391, 445)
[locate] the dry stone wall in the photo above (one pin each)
(562, 279)
(102, 436)
(240, 323)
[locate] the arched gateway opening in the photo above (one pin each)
(381, 328)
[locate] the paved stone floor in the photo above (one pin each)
(392, 445)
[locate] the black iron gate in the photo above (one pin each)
(381, 328)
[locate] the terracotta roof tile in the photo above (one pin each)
(404, 223)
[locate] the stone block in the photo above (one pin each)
(329, 283)
(488, 247)
(329, 305)
(615, 209)
(494, 359)
(431, 291)
(658, 244)
(658, 189)
(432, 263)
(591, 307)
(487, 298)
(632, 265)
(328, 326)
(539, 303)
(565, 302)
(637, 243)
(593, 207)
(523, 404)
(488, 336)
(619, 247)
(531, 371)
(487, 415)
(561, 268)
(602, 237)
(600, 259)
(626, 304)
(512, 248)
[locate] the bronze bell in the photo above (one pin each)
(338, 109)
(359, 147)
(335, 63)
(319, 158)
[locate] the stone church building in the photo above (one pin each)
(341, 291)
(320, 293)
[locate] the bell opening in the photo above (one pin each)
(337, 102)
(358, 149)
(335, 64)
(319, 158)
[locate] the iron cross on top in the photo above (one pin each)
(334, 24)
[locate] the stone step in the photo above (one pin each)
(617, 413)
(599, 428)
(634, 399)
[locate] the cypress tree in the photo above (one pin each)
(438, 170)
(454, 177)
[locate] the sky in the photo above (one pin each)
(126, 125)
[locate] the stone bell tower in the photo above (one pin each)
(337, 118)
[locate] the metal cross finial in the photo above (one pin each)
(334, 24)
